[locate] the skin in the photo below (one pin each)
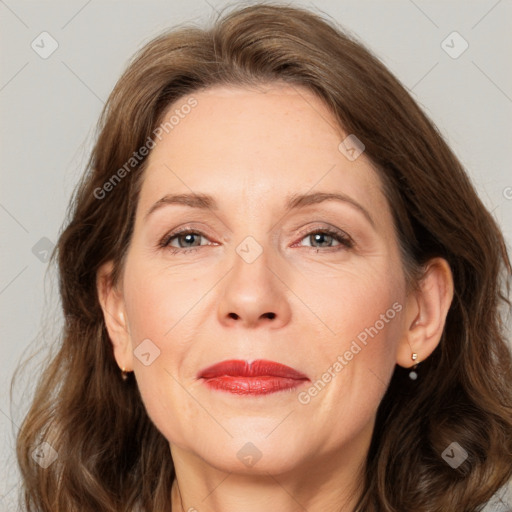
(250, 148)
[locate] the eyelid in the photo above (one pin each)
(164, 241)
(342, 243)
(333, 230)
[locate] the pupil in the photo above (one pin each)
(189, 238)
(320, 238)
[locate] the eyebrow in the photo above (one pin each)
(294, 201)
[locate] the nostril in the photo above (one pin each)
(270, 315)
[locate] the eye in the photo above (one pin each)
(187, 240)
(321, 238)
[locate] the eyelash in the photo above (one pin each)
(339, 236)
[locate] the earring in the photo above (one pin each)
(124, 374)
(413, 375)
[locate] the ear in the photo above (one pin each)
(425, 313)
(114, 313)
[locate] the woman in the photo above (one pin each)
(281, 292)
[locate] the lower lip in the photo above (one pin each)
(262, 385)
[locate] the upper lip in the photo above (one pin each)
(258, 368)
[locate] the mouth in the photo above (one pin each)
(260, 377)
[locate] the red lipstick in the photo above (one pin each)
(257, 378)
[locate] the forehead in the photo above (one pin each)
(255, 144)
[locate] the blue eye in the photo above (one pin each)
(319, 236)
(188, 236)
(189, 240)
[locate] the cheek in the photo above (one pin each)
(159, 299)
(163, 322)
(163, 315)
(355, 357)
(352, 301)
(351, 381)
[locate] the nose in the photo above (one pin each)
(254, 295)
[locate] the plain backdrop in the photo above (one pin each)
(50, 104)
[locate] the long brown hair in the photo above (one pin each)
(110, 455)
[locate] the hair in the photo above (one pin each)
(110, 455)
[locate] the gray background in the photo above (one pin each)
(49, 108)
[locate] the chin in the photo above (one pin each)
(260, 458)
(251, 453)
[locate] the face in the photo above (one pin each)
(257, 273)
